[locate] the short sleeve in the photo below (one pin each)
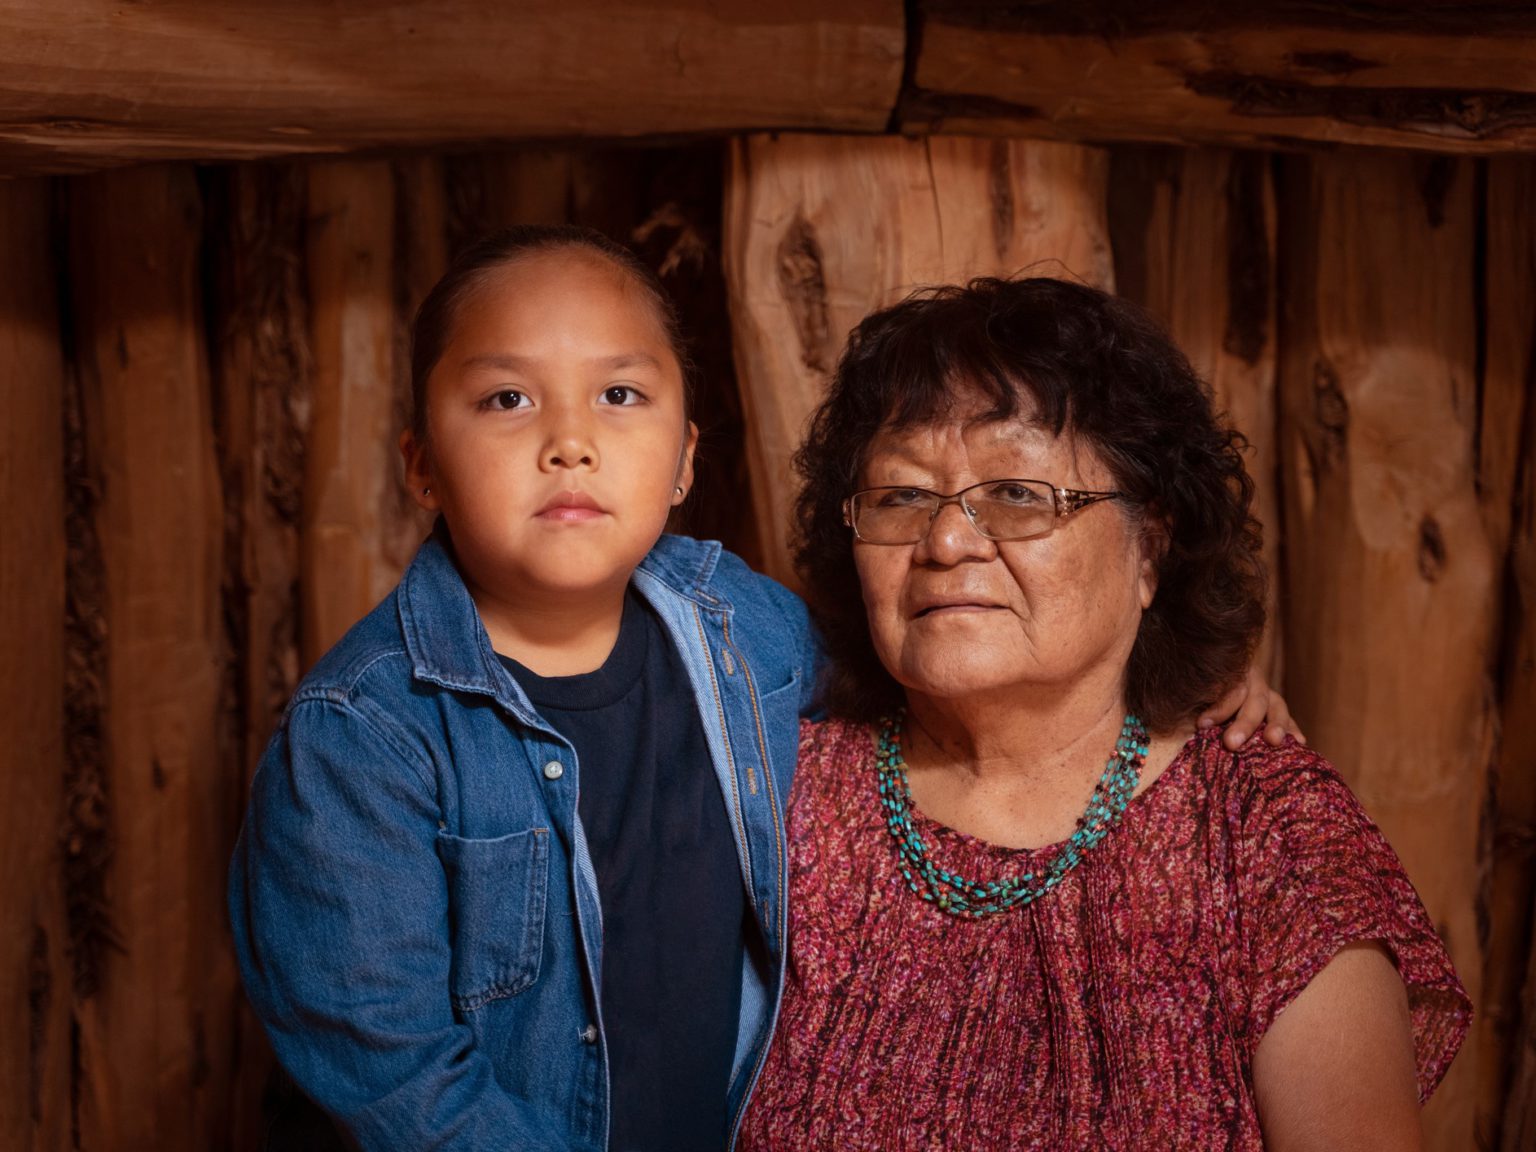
(1314, 875)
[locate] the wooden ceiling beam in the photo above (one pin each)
(1438, 76)
(91, 83)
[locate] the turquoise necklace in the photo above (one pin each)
(961, 897)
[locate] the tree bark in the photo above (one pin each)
(90, 83)
(156, 1014)
(822, 230)
(1389, 632)
(35, 978)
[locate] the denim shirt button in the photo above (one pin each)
(554, 770)
(589, 1034)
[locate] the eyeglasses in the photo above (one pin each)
(998, 509)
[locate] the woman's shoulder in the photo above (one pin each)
(1263, 782)
(1312, 874)
(835, 740)
(831, 753)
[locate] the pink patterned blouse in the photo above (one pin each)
(1121, 1010)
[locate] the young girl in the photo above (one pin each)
(513, 870)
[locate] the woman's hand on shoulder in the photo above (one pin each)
(1335, 1071)
(1253, 705)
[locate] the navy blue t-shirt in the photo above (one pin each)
(668, 875)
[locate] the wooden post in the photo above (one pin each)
(35, 980)
(822, 230)
(1391, 583)
(262, 377)
(499, 189)
(1519, 1128)
(1194, 241)
(1507, 474)
(421, 258)
(262, 380)
(358, 533)
(157, 1018)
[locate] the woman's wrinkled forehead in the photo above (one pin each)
(969, 427)
(956, 408)
(966, 400)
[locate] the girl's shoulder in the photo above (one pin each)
(708, 567)
(371, 656)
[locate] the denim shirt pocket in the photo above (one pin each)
(781, 721)
(497, 890)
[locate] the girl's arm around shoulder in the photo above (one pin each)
(339, 910)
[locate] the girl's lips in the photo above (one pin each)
(570, 513)
(571, 507)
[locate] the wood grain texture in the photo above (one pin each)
(261, 374)
(1104, 72)
(822, 230)
(1392, 584)
(1194, 241)
(358, 529)
(90, 82)
(36, 985)
(1507, 474)
(154, 1035)
(1519, 1127)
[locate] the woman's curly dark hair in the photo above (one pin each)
(1076, 360)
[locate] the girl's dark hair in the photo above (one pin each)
(433, 327)
(1076, 360)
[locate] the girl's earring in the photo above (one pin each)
(678, 489)
(426, 491)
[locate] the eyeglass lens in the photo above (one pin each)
(999, 509)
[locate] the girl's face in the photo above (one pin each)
(557, 437)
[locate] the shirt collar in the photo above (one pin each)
(447, 644)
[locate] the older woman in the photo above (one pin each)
(1032, 907)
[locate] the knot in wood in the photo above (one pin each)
(803, 284)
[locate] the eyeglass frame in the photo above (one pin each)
(1065, 502)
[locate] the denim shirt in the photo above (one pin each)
(414, 907)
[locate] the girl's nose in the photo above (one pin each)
(570, 445)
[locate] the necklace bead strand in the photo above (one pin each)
(959, 896)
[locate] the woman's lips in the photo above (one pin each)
(571, 507)
(953, 608)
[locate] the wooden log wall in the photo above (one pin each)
(1194, 241)
(36, 978)
(1383, 528)
(201, 374)
(1507, 475)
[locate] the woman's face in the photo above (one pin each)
(957, 614)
